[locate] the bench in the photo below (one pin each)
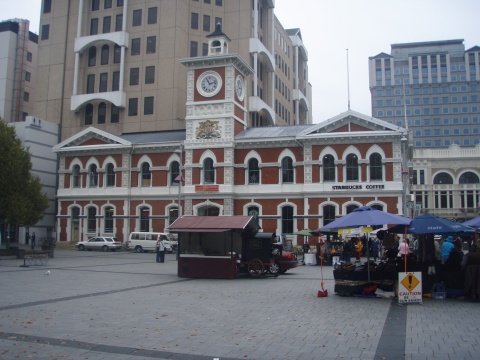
(35, 258)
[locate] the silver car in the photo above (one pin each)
(100, 243)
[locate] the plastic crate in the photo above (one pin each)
(439, 295)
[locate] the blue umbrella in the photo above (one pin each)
(365, 216)
(474, 223)
(431, 224)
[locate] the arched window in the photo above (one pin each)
(208, 211)
(93, 175)
(208, 171)
(174, 172)
(108, 220)
(328, 168)
(144, 219)
(328, 214)
(104, 55)
(377, 207)
(92, 56)
(469, 178)
(351, 208)
(76, 177)
(102, 112)
(352, 167)
(287, 170)
(146, 174)
(110, 175)
(89, 114)
(253, 211)
(376, 167)
(253, 171)
(172, 215)
(92, 220)
(287, 220)
(442, 178)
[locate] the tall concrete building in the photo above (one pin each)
(433, 88)
(18, 56)
(113, 64)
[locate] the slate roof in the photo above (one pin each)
(155, 137)
(272, 132)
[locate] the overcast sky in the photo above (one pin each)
(330, 27)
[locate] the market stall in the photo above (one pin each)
(222, 246)
(424, 227)
(351, 279)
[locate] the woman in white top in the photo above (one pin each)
(403, 248)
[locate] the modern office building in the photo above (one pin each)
(433, 88)
(18, 57)
(113, 64)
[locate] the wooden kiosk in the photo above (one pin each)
(220, 246)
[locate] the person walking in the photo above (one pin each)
(160, 247)
(33, 240)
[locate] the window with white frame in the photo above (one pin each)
(376, 167)
(76, 177)
(110, 175)
(146, 174)
(328, 165)
(208, 171)
(352, 167)
(93, 175)
(91, 220)
(287, 170)
(108, 220)
(253, 171)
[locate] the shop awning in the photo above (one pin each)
(214, 224)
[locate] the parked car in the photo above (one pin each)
(100, 243)
(287, 260)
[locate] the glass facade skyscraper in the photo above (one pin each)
(432, 88)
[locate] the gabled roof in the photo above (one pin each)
(154, 137)
(351, 121)
(90, 137)
(271, 132)
(214, 224)
(475, 48)
(382, 55)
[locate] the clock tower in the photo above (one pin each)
(216, 93)
(216, 111)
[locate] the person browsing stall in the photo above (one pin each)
(403, 248)
(447, 248)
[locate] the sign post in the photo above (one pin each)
(410, 287)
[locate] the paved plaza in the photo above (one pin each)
(123, 305)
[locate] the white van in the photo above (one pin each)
(145, 241)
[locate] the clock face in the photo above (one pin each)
(209, 83)
(239, 88)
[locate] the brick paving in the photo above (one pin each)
(124, 305)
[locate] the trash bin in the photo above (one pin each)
(20, 253)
